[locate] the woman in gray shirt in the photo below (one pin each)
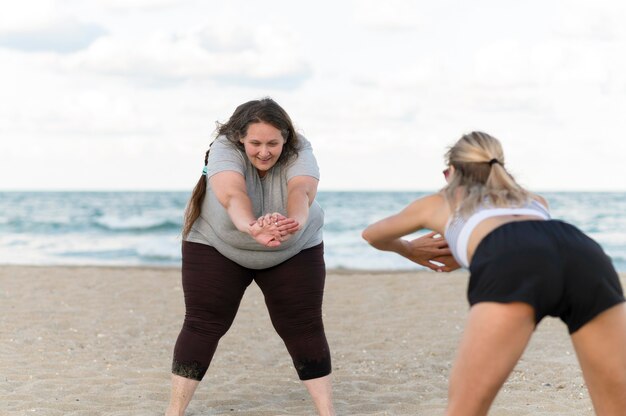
(253, 216)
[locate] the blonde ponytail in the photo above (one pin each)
(480, 176)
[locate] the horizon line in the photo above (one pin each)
(319, 190)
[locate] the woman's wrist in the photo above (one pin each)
(244, 226)
(401, 246)
(250, 228)
(300, 218)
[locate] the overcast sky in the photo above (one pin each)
(124, 94)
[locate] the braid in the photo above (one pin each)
(192, 211)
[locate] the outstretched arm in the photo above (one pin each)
(301, 192)
(428, 212)
(230, 189)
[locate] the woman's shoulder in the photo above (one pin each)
(431, 203)
(224, 155)
(222, 141)
(224, 147)
(302, 157)
(540, 199)
(303, 142)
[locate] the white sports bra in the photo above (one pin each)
(459, 228)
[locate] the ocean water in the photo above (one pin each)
(143, 228)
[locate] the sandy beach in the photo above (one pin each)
(98, 341)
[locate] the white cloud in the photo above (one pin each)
(389, 15)
(509, 64)
(62, 36)
(263, 55)
(229, 38)
(380, 89)
(26, 14)
(503, 63)
(596, 21)
(137, 4)
(423, 71)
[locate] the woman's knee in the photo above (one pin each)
(209, 324)
(306, 343)
(298, 325)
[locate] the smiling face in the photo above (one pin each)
(263, 144)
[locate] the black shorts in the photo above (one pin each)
(551, 265)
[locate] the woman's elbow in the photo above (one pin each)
(367, 236)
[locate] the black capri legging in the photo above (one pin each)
(213, 287)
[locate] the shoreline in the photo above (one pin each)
(82, 340)
(337, 271)
(329, 271)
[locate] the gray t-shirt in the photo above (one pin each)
(268, 194)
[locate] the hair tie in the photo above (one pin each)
(492, 161)
(204, 171)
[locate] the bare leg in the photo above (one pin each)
(601, 348)
(494, 339)
(321, 392)
(182, 391)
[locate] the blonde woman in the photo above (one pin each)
(524, 266)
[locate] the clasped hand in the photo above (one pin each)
(273, 229)
(432, 251)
